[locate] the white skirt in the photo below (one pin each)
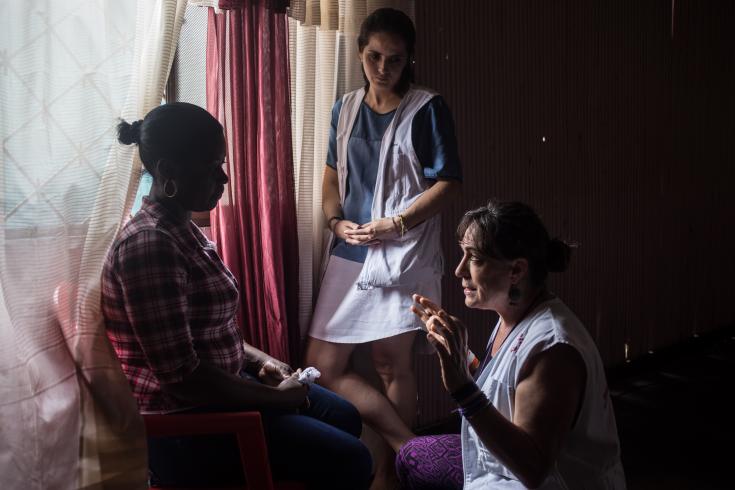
(345, 314)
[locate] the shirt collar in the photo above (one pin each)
(184, 232)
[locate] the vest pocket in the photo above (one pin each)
(501, 395)
(396, 178)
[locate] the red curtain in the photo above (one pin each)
(254, 224)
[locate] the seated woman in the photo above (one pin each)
(169, 305)
(539, 413)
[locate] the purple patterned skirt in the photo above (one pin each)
(431, 463)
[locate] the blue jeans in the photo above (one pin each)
(319, 446)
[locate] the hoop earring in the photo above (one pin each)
(165, 188)
(514, 295)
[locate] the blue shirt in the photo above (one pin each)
(433, 138)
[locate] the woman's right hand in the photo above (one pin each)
(449, 337)
(293, 392)
(343, 225)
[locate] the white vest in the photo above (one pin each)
(590, 456)
(416, 256)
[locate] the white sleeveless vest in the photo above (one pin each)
(590, 457)
(416, 256)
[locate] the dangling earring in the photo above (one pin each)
(514, 295)
(165, 188)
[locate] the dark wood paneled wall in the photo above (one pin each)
(615, 120)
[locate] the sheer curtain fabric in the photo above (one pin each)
(68, 71)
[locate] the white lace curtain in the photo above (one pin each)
(324, 66)
(68, 71)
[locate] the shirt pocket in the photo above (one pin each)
(501, 394)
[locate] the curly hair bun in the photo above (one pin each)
(558, 254)
(127, 133)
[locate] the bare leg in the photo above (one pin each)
(384, 460)
(393, 362)
(376, 410)
(384, 477)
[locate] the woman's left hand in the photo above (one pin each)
(372, 233)
(272, 372)
(448, 335)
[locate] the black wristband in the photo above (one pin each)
(329, 221)
(475, 406)
(464, 392)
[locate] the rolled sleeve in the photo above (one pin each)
(332, 151)
(435, 142)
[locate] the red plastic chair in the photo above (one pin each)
(247, 427)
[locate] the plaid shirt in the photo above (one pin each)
(168, 302)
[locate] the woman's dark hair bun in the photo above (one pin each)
(558, 254)
(127, 133)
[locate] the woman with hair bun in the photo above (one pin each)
(538, 414)
(169, 305)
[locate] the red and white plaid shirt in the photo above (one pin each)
(168, 302)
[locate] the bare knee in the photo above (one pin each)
(385, 370)
(391, 363)
(389, 372)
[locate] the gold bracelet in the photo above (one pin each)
(403, 225)
(396, 226)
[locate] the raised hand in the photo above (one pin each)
(448, 335)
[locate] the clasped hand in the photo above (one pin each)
(366, 234)
(272, 371)
(448, 335)
(280, 375)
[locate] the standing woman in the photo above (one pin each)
(392, 166)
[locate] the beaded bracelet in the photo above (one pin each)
(403, 225)
(464, 392)
(478, 404)
(396, 226)
(470, 400)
